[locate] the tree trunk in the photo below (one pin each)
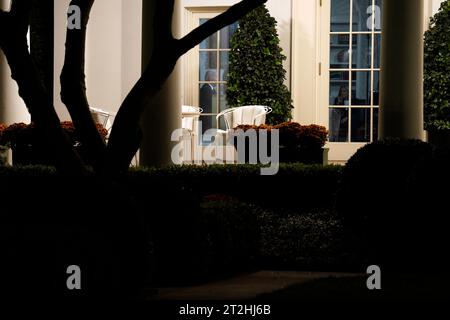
(73, 89)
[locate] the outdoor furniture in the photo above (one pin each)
(234, 117)
(190, 117)
(103, 117)
(250, 115)
(106, 119)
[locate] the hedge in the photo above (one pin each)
(296, 186)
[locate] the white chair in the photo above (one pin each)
(234, 117)
(247, 115)
(106, 119)
(103, 117)
(190, 117)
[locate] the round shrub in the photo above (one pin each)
(381, 198)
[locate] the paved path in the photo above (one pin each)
(244, 287)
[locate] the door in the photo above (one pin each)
(350, 71)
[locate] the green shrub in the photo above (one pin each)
(232, 233)
(295, 186)
(313, 241)
(389, 199)
(437, 71)
(256, 74)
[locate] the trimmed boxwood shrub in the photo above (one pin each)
(311, 241)
(389, 198)
(296, 186)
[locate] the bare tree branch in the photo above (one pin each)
(221, 21)
(73, 87)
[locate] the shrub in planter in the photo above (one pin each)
(25, 142)
(437, 77)
(303, 144)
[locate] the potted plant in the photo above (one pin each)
(437, 78)
(298, 144)
(25, 143)
(304, 144)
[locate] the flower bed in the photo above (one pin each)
(298, 144)
(25, 140)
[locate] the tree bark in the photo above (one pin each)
(13, 42)
(73, 88)
(126, 135)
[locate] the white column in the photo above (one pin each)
(401, 83)
(12, 107)
(163, 116)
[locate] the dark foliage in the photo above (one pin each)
(389, 197)
(256, 67)
(437, 71)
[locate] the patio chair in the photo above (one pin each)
(250, 115)
(190, 117)
(106, 119)
(234, 117)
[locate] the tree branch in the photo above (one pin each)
(126, 136)
(221, 21)
(73, 87)
(163, 20)
(13, 42)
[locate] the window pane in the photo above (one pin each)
(224, 65)
(223, 104)
(339, 88)
(339, 51)
(361, 125)
(208, 98)
(375, 124)
(377, 51)
(376, 88)
(208, 66)
(361, 88)
(211, 42)
(362, 51)
(340, 15)
(339, 125)
(378, 9)
(226, 34)
(362, 15)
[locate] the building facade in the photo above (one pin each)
(333, 64)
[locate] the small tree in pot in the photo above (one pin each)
(256, 67)
(437, 77)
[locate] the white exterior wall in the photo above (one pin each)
(113, 52)
(12, 107)
(281, 10)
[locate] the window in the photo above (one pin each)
(213, 74)
(354, 70)
(207, 67)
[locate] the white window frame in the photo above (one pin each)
(191, 60)
(339, 151)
